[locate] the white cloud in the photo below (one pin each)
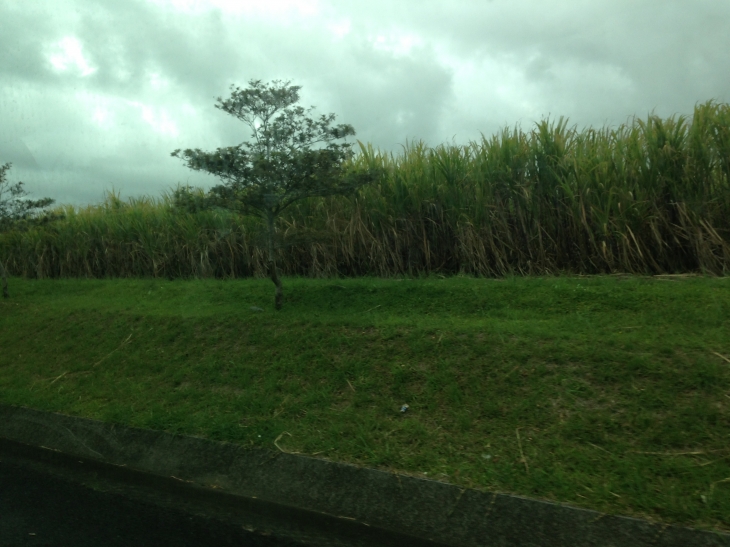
(68, 53)
(156, 118)
(158, 82)
(103, 117)
(340, 28)
(396, 43)
(270, 9)
(102, 92)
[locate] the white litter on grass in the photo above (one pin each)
(404, 408)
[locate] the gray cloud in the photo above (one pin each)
(95, 96)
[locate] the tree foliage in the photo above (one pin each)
(16, 213)
(278, 166)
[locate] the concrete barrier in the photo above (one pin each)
(418, 508)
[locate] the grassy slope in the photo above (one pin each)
(603, 392)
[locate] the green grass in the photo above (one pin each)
(611, 393)
(648, 197)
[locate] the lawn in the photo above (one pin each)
(609, 392)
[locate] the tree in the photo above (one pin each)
(15, 212)
(278, 167)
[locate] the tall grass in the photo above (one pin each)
(650, 196)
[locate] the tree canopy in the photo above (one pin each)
(278, 166)
(16, 213)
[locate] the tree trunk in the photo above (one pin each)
(272, 262)
(4, 276)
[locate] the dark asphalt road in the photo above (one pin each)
(52, 499)
(37, 509)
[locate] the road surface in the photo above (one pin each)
(37, 509)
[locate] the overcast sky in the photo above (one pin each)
(96, 94)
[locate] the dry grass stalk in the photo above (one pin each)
(650, 197)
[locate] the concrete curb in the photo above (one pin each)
(420, 508)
